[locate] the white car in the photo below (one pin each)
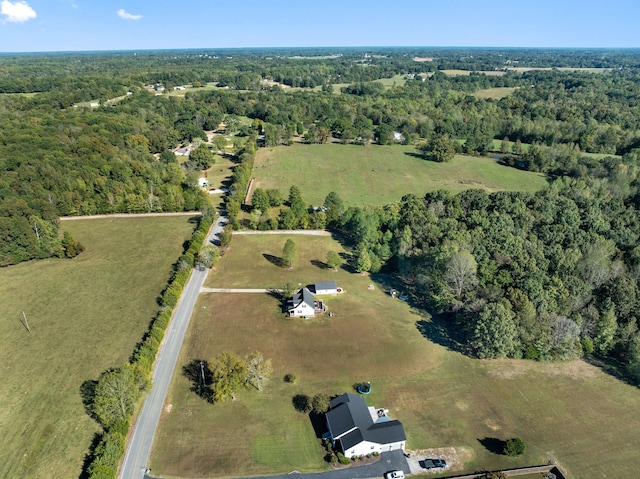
(394, 475)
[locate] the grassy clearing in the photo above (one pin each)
(219, 175)
(377, 175)
(27, 95)
(496, 73)
(495, 93)
(562, 69)
(568, 412)
(265, 253)
(85, 316)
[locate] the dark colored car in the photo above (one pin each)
(432, 463)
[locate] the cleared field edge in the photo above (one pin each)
(86, 315)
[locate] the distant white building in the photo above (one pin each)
(203, 182)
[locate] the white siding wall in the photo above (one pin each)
(365, 448)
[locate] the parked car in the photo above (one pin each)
(394, 475)
(432, 463)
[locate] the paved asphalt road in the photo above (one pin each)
(139, 449)
(389, 461)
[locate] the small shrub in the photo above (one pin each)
(342, 460)
(290, 378)
(320, 403)
(514, 447)
(302, 403)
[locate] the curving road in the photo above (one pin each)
(139, 448)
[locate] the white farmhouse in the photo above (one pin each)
(357, 430)
(304, 305)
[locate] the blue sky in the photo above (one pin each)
(72, 25)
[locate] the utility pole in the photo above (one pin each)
(26, 323)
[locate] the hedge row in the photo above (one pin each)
(106, 456)
(240, 181)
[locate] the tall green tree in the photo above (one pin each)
(494, 335)
(117, 394)
(289, 253)
(229, 373)
(363, 261)
(333, 260)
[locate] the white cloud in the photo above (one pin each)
(122, 13)
(17, 12)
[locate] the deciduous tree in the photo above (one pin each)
(229, 372)
(289, 253)
(259, 370)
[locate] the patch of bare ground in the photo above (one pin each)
(510, 368)
(455, 458)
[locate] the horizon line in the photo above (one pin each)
(344, 47)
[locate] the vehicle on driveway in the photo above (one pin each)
(394, 475)
(432, 463)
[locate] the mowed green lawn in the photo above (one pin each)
(85, 315)
(377, 175)
(569, 412)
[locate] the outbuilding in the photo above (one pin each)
(326, 287)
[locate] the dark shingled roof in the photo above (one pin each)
(350, 411)
(326, 285)
(303, 295)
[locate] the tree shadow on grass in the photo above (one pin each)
(199, 373)
(319, 264)
(414, 154)
(493, 444)
(88, 395)
(274, 260)
(613, 368)
(438, 331)
(89, 456)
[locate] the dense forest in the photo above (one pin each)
(539, 276)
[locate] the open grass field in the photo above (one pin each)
(495, 93)
(219, 175)
(570, 412)
(85, 316)
(377, 175)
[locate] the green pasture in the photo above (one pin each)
(377, 175)
(495, 93)
(85, 316)
(568, 412)
(219, 173)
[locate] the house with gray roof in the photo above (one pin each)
(357, 430)
(304, 305)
